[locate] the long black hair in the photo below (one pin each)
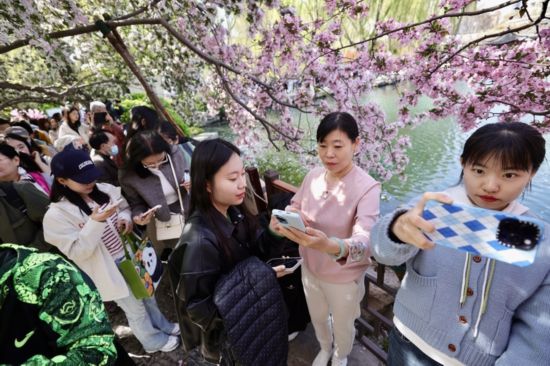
(74, 126)
(208, 158)
(142, 145)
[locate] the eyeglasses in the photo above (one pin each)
(157, 164)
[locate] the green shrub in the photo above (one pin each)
(285, 163)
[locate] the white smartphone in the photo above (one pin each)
(152, 209)
(291, 263)
(289, 219)
(110, 205)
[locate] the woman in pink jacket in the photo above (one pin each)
(339, 203)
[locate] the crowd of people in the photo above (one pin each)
(72, 187)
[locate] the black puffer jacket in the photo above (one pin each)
(196, 265)
(252, 307)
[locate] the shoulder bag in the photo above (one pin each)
(172, 228)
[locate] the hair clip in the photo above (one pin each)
(518, 234)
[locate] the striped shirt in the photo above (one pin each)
(110, 236)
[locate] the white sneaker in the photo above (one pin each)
(339, 361)
(176, 330)
(292, 336)
(170, 345)
(322, 358)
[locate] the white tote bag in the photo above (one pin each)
(172, 228)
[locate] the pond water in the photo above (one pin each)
(434, 160)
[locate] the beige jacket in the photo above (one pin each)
(79, 238)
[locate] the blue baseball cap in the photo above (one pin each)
(75, 165)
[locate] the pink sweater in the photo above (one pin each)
(349, 212)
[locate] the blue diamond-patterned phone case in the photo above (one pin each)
(494, 234)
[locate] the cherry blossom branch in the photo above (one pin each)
(78, 31)
(143, 9)
(515, 108)
(494, 35)
(427, 21)
(72, 91)
(267, 125)
(216, 62)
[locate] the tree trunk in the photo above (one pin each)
(118, 44)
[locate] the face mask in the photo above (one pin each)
(114, 150)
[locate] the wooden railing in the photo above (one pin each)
(372, 323)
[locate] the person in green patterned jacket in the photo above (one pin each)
(50, 313)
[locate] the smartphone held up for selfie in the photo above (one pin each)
(291, 263)
(289, 219)
(494, 234)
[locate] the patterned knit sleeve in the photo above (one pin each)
(71, 309)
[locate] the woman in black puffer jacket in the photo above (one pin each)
(218, 234)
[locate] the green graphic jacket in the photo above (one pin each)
(49, 313)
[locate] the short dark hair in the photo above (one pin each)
(98, 138)
(8, 151)
(516, 144)
(142, 145)
(342, 121)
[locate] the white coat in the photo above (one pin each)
(79, 238)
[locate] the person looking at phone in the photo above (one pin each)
(147, 180)
(219, 233)
(84, 221)
(455, 308)
(73, 126)
(339, 203)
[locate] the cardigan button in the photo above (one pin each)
(477, 258)
(469, 292)
(462, 319)
(452, 347)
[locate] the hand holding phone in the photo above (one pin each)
(151, 210)
(494, 234)
(110, 206)
(289, 219)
